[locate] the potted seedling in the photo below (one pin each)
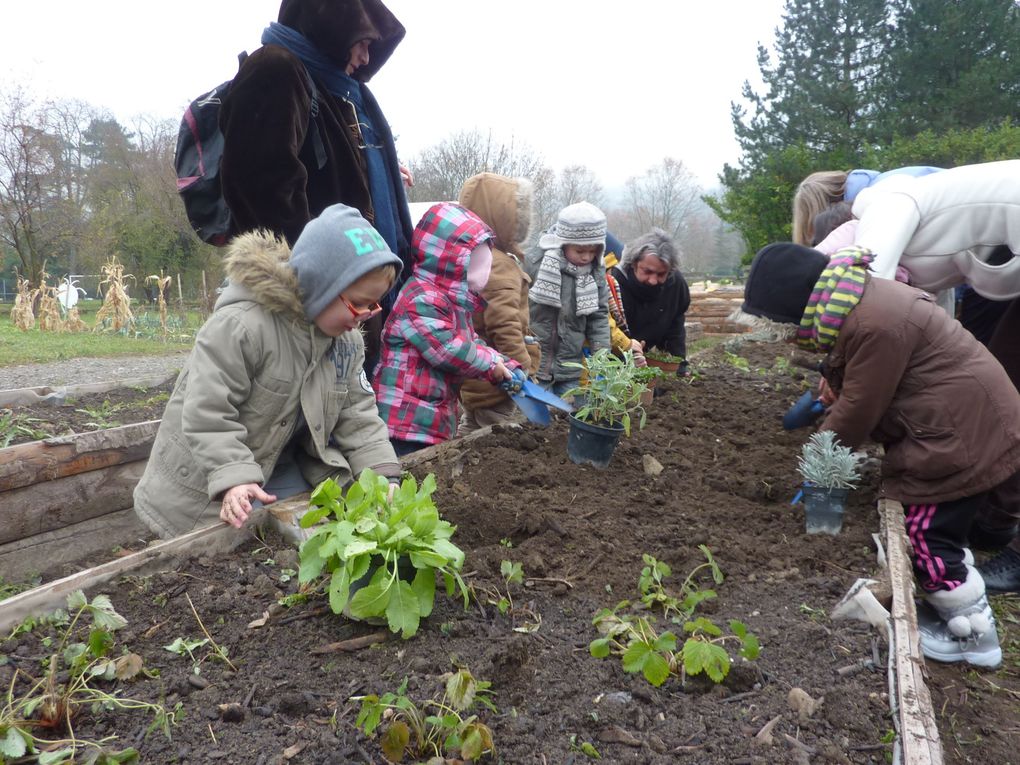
(830, 471)
(381, 553)
(611, 398)
(667, 362)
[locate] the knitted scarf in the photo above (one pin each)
(836, 292)
(549, 280)
(343, 86)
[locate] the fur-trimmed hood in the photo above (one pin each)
(257, 266)
(504, 205)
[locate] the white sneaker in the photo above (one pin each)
(940, 644)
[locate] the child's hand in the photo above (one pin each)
(499, 373)
(826, 394)
(517, 379)
(236, 505)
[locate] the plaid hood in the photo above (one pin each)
(442, 242)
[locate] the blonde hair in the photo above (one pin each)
(387, 271)
(814, 194)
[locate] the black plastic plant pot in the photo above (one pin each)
(823, 509)
(590, 444)
(405, 570)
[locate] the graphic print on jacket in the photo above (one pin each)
(429, 342)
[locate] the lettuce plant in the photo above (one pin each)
(368, 533)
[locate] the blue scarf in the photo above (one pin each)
(324, 70)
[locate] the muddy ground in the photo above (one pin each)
(727, 480)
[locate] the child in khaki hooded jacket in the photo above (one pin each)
(504, 205)
(273, 398)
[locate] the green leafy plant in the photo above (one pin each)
(10, 589)
(365, 528)
(824, 462)
(737, 361)
(82, 659)
(187, 647)
(677, 607)
(431, 728)
(612, 392)
(659, 655)
(19, 425)
(101, 416)
(655, 354)
(584, 747)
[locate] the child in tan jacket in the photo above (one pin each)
(504, 204)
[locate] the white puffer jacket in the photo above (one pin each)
(942, 226)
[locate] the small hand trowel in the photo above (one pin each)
(534, 401)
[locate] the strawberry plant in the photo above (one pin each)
(659, 655)
(367, 535)
(676, 607)
(431, 728)
(70, 687)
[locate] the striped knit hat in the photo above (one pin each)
(581, 223)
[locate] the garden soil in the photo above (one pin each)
(728, 475)
(90, 411)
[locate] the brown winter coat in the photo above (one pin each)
(271, 179)
(913, 379)
(504, 205)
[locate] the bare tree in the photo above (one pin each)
(440, 170)
(575, 183)
(664, 197)
(27, 190)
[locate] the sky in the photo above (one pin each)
(614, 86)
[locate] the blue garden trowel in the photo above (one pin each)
(533, 400)
(804, 412)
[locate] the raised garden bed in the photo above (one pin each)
(728, 472)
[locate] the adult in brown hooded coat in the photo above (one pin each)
(504, 205)
(272, 178)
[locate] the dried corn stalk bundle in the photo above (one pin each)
(73, 322)
(162, 282)
(49, 307)
(22, 314)
(116, 303)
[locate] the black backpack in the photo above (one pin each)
(198, 155)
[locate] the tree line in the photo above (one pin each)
(76, 187)
(871, 83)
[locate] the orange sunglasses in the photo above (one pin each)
(361, 314)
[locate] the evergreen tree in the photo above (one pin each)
(821, 92)
(951, 64)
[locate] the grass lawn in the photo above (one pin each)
(36, 346)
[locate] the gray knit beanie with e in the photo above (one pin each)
(334, 251)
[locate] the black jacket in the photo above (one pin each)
(655, 315)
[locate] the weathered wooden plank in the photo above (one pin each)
(48, 552)
(160, 556)
(51, 505)
(60, 393)
(52, 458)
(919, 733)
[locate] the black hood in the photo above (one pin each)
(333, 26)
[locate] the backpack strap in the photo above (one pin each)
(313, 125)
(318, 147)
